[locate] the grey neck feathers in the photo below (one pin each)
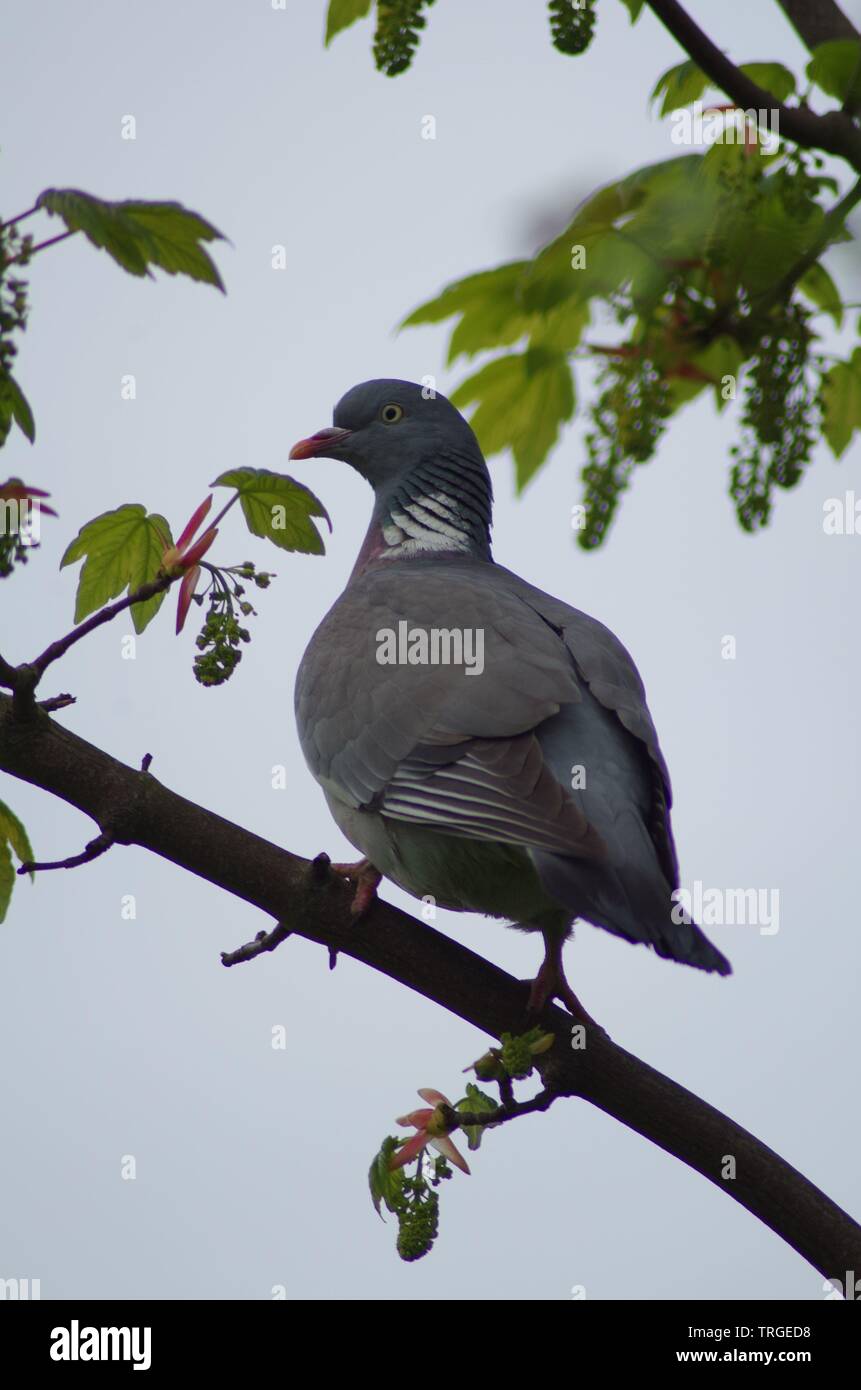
(443, 504)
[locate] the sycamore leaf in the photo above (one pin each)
(522, 401)
(12, 830)
(774, 77)
(342, 13)
(818, 287)
(7, 879)
(679, 86)
(836, 68)
(386, 1184)
(685, 83)
(491, 314)
(13, 836)
(841, 399)
(14, 409)
(781, 238)
(277, 508)
(561, 328)
(597, 253)
(121, 550)
(139, 234)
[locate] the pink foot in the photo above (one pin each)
(366, 878)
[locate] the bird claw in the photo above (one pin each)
(550, 983)
(366, 878)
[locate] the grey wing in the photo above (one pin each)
(430, 744)
(603, 663)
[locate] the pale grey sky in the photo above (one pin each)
(128, 1037)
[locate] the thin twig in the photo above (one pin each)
(56, 702)
(100, 845)
(459, 1119)
(104, 615)
(263, 941)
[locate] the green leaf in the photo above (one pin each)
(774, 77)
(686, 82)
(7, 879)
(561, 328)
(121, 549)
(634, 7)
(475, 1102)
(386, 1185)
(762, 247)
(14, 408)
(489, 306)
(836, 68)
(277, 508)
(841, 400)
(604, 227)
(12, 830)
(139, 234)
(522, 401)
(13, 836)
(818, 287)
(679, 86)
(342, 13)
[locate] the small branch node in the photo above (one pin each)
(100, 845)
(57, 702)
(320, 867)
(263, 941)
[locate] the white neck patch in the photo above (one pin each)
(431, 523)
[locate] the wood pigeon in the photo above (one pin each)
(482, 744)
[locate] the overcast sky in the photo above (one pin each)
(128, 1038)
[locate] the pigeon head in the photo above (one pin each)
(383, 427)
(423, 461)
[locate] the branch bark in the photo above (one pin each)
(818, 21)
(834, 132)
(133, 807)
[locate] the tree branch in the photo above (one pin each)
(835, 132)
(817, 21)
(135, 808)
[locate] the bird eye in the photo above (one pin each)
(390, 413)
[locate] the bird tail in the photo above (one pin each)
(633, 908)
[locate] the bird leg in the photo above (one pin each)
(550, 982)
(366, 879)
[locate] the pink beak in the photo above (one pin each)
(318, 444)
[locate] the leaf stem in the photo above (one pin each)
(4, 226)
(41, 246)
(223, 512)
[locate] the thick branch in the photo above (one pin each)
(137, 809)
(817, 21)
(835, 132)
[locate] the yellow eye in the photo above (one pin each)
(391, 413)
